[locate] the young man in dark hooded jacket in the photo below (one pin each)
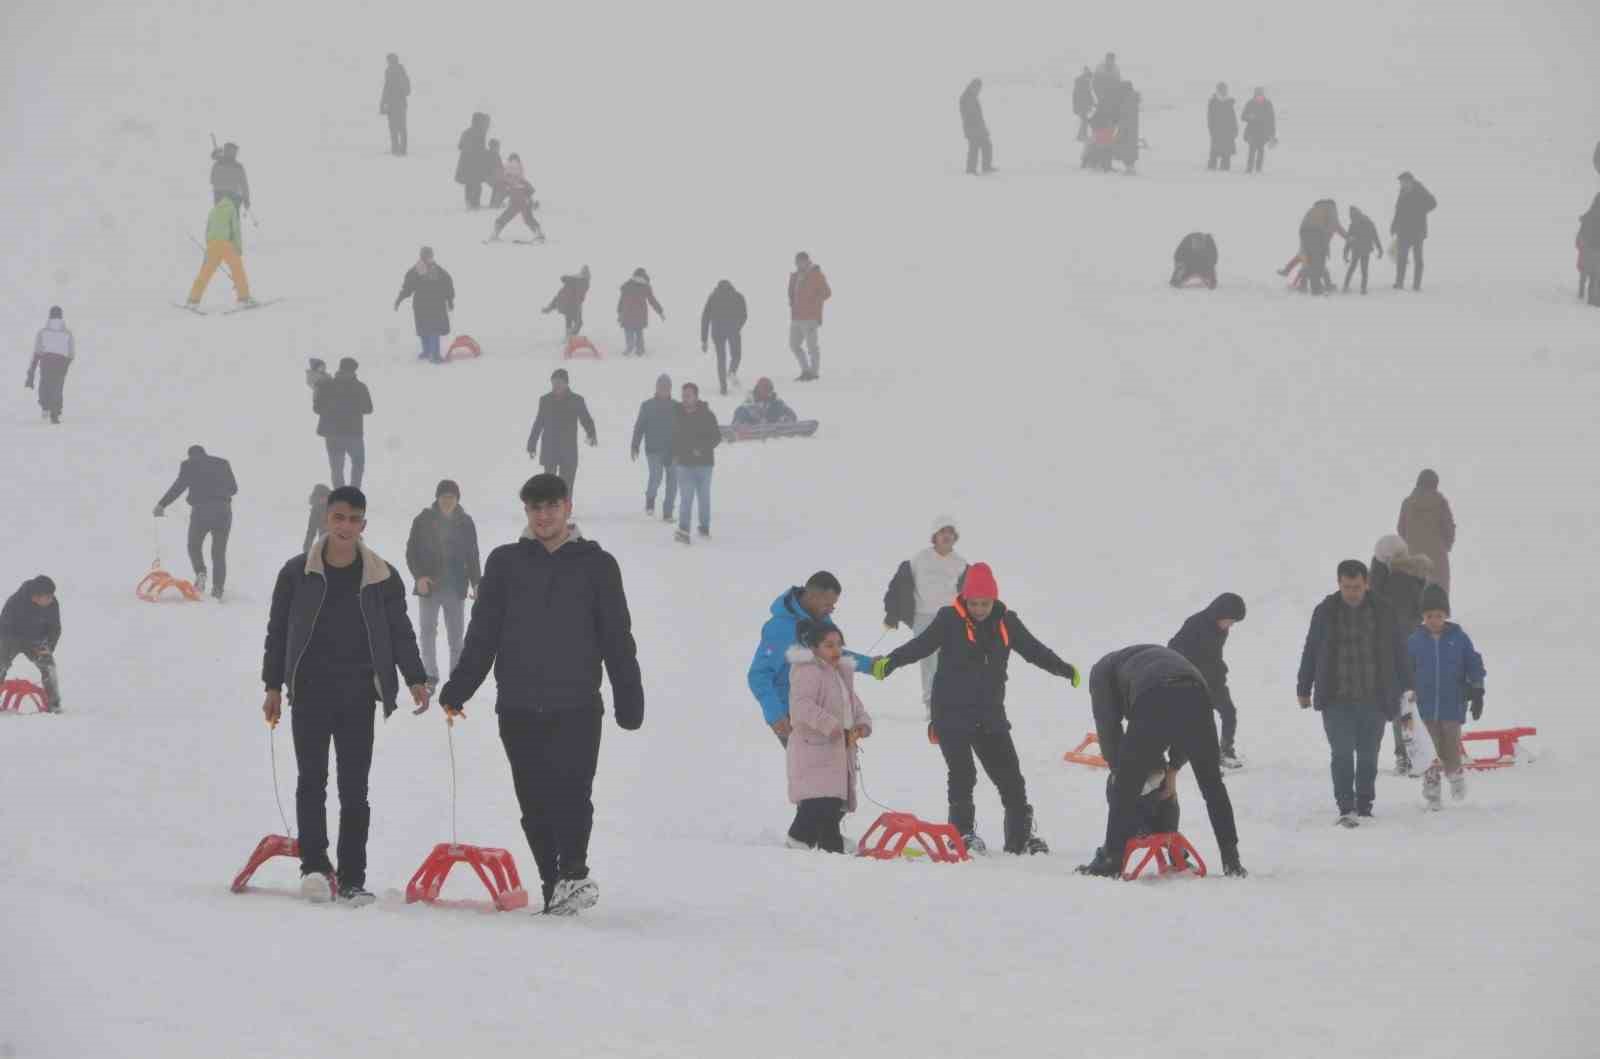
(30, 625)
(1201, 641)
(723, 321)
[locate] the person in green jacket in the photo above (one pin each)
(224, 244)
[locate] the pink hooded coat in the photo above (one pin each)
(823, 705)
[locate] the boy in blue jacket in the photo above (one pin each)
(769, 669)
(1449, 672)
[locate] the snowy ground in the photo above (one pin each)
(1005, 350)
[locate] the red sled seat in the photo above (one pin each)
(14, 694)
(1169, 849)
(495, 867)
(1505, 738)
(893, 831)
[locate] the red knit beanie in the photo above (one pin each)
(980, 583)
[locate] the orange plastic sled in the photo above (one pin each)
(1169, 849)
(158, 581)
(463, 348)
(1082, 755)
(578, 346)
(941, 842)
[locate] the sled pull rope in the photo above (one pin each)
(272, 747)
(862, 783)
(450, 737)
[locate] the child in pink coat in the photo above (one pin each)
(828, 719)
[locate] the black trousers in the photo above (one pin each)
(1314, 243)
(397, 130)
(980, 148)
(998, 755)
(1156, 815)
(1361, 261)
(1405, 251)
(1175, 717)
(730, 352)
(1221, 156)
(567, 472)
(347, 719)
(1256, 157)
(1223, 704)
(213, 519)
(574, 318)
(52, 382)
(553, 758)
(513, 210)
(474, 193)
(816, 823)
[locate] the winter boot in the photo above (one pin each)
(963, 817)
(1019, 833)
(1102, 866)
(1430, 787)
(1348, 820)
(317, 887)
(200, 581)
(976, 846)
(572, 896)
(1458, 786)
(216, 593)
(681, 536)
(355, 896)
(1230, 759)
(1230, 863)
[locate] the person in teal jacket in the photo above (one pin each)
(1449, 677)
(769, 669)
(224, 246)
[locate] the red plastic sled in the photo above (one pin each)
(158, 581)
(463, 348)
(14, 693)
(495, 867)
(578, 346)
(266, 849)
(941, 842)
(1506, 738)
(1082, 755)
(1167, 849)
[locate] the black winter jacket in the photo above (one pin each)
(1317, 657)
(1399, 585)
(1201, 642)
(1121, 678)
(208, 479)
(296, 602)
(972, 123)
(900, 600)
(658, 418)
(1083, 95)
(433, 297)
(1411, 209)
(1196, 252)
(546, 621)
(695, 436)
(557, 423)
(21, 621)
(969, 691)
(1260, 121)
(444, 548)
(396, 90)
(725, 312)
(1222, 122)
(1362, 236)
(342, 405)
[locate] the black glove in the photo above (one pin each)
(1475, 699)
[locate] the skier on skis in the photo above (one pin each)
(922, 586)
(568, 301)
(228, 178)
(658, 417)
(768, 677)
(30, 625)
(1450, 677)
(433, 298)
(224, 246)
(519, 201)
(974, 636)
(633, 311)
(1163, 701)
(560, 413)
(53, 353)
(211, 487)
(1201, 641)
(392, 104)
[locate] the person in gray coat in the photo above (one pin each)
(555, 429)
(654, 428)
(979, 146)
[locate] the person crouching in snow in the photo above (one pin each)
(519, 201)
(1196, 256)
(974, 637)
(827, 719)
(30, 625)
(1449, 672)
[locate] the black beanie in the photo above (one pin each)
(348, 364)
(197, 450)
(55, 312)
(447, 488)
(1434, 597)
(41, 586)
(1227, 605)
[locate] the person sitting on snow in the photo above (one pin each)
(1196, 256)
(764, 407)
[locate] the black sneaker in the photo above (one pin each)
(649, 508)
(355, 896)
(1034, 845)
(1102, 867)
(1365, 813)
(216, 593)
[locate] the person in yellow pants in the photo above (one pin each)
(224, 244)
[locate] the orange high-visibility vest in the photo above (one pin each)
(972, 630)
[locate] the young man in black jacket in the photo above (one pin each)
(211, 487)
(30, 625)
(337, 632)
(1163, 699)
(1410, 228)
(342, 405)
(551, 611)
(695, 437)
(975, 637)
(658, 417)
(723, 320)
(560, 413)
(1201, 641)
(442, 555)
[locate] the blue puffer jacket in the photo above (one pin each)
(1446, 668)
(769, 670)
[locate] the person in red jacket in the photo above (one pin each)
(808, 289)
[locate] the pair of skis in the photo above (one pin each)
(240, 308)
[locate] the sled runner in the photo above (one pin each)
(495, 867)
(805, 428)
(266, 849)
(1082, 755)
(1507, 739)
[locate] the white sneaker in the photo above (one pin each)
(316, 887)
(1458, 786)
(790, 842)
(573, 896)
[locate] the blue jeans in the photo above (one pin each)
(1354, 735)
(694, 483)
(430, 347)
(340, 446)
(661, 467)
(635, 339)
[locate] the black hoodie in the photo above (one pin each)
(23, 622)
(1201, 642)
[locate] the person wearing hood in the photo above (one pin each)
(433, 298)
(1260, 129)
(228, 178)
(633, 311)
(1589, 252)
(1359, 246)
(392, 104)
(808, 290)
(30, 625)
(763, 407)
(829, 720)
(550, 612)
(53, 353)
(211, 487)
(1429, 526)
(1317, 229)
(1222, 122)
(342, 405)
(224, 248)
(1165, 704)
(1450, 677)
(472, 164)
(1083, 101)
(768, 676)
(568, 301)
(1398, 579)
(1410, 228)
(518, 194)
(1201, 640)
(654, 428)
(1196, 256)
(442, 555)
(723, 319)
(974, 635)
(922, 586)
(555, 430)
(976, 130)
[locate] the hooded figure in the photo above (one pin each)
(633, 310)
(1223, 124)
(1201, 641)
(1428, 525)
(723, 321)
(53, 353)
(1196, 256)
(472, 166)
(228, 176)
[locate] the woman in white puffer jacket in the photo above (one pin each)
(922, 584)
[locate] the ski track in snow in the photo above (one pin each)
(1003, 349)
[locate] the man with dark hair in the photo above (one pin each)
(551, 610)
(442, 555)
(1164, 701)
(1356, 662)
(337, 632)
(1201, 641)
(342, 405)
(695, 437)
(560, 413)
(1410, 228)
(30, 625)
(211, 487)
(392, 104)
(769, 669)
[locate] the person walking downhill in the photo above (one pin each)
(1222, 122)
(1260, 129)
(633, 311)
(1410, 229)
(1201, 641)
(1428, 525)
(555, 430)
(224, 247)
(976, 130)
(695, 437)
(568, 301)
(392, 104)
(550, 611)
(922, 586)
(53, 353)
(211, 487)
(30, 625)
(1450, 678)
(974, 636)
(723, 319)
(655, 428)
(336, 635)
(808, 290)
(829, 721)
(472, 164)
(433, 298)
(442, 555)
(342, 405)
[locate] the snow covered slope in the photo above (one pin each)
(1003, 349)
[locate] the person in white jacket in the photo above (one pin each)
(53, 353)
(922, 584)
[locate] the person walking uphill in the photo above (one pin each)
(1223, 125)
(1201, 641)
(1353, 670)
(976, 130)
(1260, 129)
(433, 299)
(974, 637)
(723, 319)
(808, 290)
(769, 669)
(472, 164)
(392, 104)
(342, 405)
(568, 301)
(211, 487)
(442, 555)
(922, 586)
(1165, 703)
(550, 611)
(633, 311)
(228, 178)
(30, 625)
(336, 635)
(224, 245)
(53, 353)
(1410, 229)
(658, 419)
(555, 430)
(829, 720)
(695, 437)
(1428, 525)
(1450, 676)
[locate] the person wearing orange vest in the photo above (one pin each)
(974, 637)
